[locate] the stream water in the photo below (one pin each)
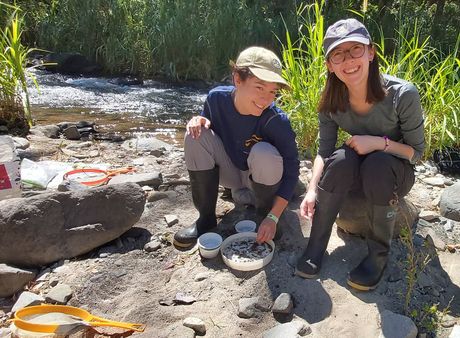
(152, 108)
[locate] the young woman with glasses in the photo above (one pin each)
(384, 118)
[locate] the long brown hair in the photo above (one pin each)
(334, 97)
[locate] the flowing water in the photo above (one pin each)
(152, 108)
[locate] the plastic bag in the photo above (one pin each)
(10, 177)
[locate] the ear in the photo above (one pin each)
(329, 66)
(236, 79)
(371, 53)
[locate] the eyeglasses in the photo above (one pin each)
(355, 52)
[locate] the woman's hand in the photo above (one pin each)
(307, 207)
(267, 231)
(365, 144)
(194, 125)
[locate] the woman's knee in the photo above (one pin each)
(340, 170)
(265, 163)
(344, 163)
(378, 178)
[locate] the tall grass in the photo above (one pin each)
(179, 39)
(14, 98)
(436, 76)
(305, 70)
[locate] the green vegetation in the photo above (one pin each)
(413, 59)
(14, 99)
(178, 40)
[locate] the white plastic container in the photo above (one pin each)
(209, 244)
(245, 266)
(246, 225)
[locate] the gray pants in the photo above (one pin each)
(264, 161)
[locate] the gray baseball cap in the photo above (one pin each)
(344, 31)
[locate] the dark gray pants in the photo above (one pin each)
(382, 177)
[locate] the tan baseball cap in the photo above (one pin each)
(263, 63)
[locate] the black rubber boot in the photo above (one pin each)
(326, 209)
(205, 185)
(265, 196)
(368, 273)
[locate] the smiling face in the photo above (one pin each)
(253, 96)
(353, 71)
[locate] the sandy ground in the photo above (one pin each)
(130, 284)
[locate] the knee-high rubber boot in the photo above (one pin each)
(205, 185)
(264, 198)
(368, 273)
(326, 209)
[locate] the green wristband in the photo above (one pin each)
(272, 217)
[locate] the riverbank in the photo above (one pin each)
(160, 286)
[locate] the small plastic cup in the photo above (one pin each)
(209, 244)
(245, 226)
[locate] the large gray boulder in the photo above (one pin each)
(450, 202)
(48, 227)
(353, 217)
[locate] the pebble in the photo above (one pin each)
(152, 246)
(60, 294)
(201, 276)
(196, 324)
(27, 299)
(293, 329)
(428, 215)
(171, 220)
(434, 181)
(283, 304)
(247, 307)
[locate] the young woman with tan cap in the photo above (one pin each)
(384, 118)
(243, 141)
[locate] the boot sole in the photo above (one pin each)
(361, 287)
(183, 245)
(305, 275)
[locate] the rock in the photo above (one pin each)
(196, 324)
(159, 195)
(455, 333)
(434, 239)
(283, 304)
(152, 246)
(395, 325)
(201, 276)
(182, 298)
(171, 220)
(72, 133)
(434, 181)
(42, 229)
(450, 202)
(21, 143)
(293, 329)
(60, 294)
(353, 216)
(146, 144)
(428, 215)
(13, 279)
(153, 179)
(27, 299)
(70, 63)
(51, 131)
(247, 307)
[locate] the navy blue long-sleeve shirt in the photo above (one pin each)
(240, 132)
